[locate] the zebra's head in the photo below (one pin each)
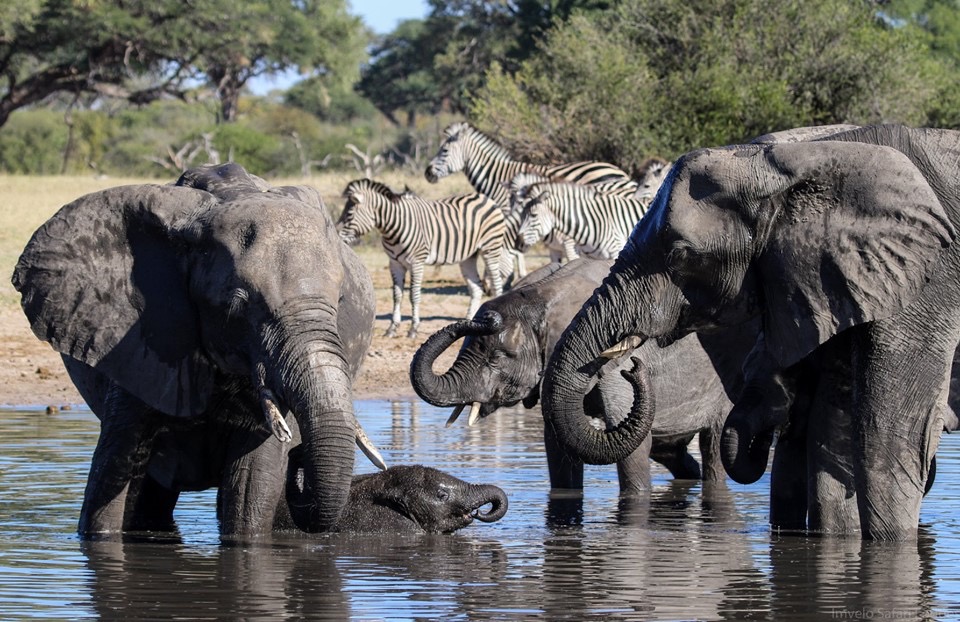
(450, 157)
(518, 186)
(650, 176)
(537, 220)
(359, 216)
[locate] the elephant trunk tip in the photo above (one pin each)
(498, 507)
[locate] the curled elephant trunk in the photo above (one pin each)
(745, 449)
(495, 498)
(447, 389)
(599, 326)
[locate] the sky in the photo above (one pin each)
(382, 16)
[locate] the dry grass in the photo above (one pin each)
(26, 202)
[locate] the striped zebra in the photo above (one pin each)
(490, 167)
(517, 188)
(599, 223)
(650, 176)
(416, 232)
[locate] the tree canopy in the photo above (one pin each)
(142, 50)
(656, 77)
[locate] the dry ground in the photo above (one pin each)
(32, 374)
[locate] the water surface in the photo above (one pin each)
(684, 553)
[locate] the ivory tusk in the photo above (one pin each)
(455, 415)
(474, 414)
(630, 343)
(369, 449)
(275, 419)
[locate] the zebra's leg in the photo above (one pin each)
(416, 281)
(398, 273)
(468, 268)
(493, 258)
(569, 248)
(521, 263)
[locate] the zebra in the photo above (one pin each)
(650, 176)
(599, 223)
(416, 232)
(517, 188)
(489, 166)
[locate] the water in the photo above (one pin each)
(679, 555)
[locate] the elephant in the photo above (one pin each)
(503, 355)
(405, 499)
(842, 250)
(214, 297)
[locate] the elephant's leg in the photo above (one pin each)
(788, 481)
(672, 453)
(468, 268)
(416, 283)
(254, 481)
(566, 471)
(121, 455)
(397, 274)
(634, 472)
(832, 495)
(901, 373)
(712, 465)
(153, 507)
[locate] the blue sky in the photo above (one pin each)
(381, 16)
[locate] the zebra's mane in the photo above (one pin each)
(585, 191)
(484, 141)
(360, 185)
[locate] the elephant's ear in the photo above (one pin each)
(855, 232)
(101, 281)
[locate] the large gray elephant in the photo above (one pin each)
(505, 350)
(196, 301)
(844, 249)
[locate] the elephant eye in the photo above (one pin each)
(442, 494)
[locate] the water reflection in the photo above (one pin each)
(684, 552)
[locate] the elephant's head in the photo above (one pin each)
(176, 292)
(415, 498)
(506, 345)
(811, 238)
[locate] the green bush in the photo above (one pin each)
(32, 142)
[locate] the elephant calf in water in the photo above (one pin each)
(507, 345)
(405, 499)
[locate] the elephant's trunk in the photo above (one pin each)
(306, 368)
(763, 406)
(745, 449)
(448, 389)
(604, 321)
(493, 496)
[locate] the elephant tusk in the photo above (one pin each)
(455, 415)
(369, 449)
(627, 345)
(275, 419)
(474, 414)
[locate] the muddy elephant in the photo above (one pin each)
(844, 250)
(213, 296)
(507, 344)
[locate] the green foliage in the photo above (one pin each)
(662, 78)
(33, 143)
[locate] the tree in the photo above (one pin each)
(656, 77)
(434, 64)
(142, 50)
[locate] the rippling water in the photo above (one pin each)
(684, 553)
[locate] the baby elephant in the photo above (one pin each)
(405, 499)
